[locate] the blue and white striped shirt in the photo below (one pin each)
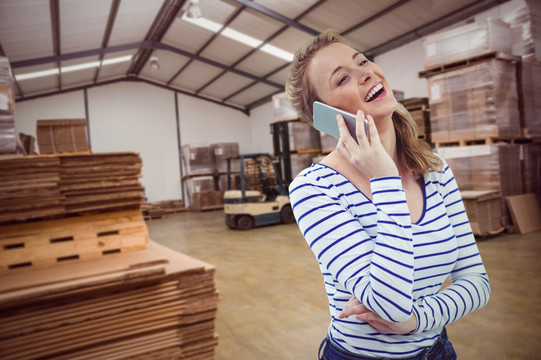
(371, 249)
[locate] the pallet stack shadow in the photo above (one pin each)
(204, 169)
(485, 113)
(79, 277)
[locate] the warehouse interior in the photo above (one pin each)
(123, 123)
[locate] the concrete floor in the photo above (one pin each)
(273, 304)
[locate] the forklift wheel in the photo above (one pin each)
(245, 222)
(286, 215)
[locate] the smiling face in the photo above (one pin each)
(344, 78)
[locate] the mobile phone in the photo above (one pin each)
(325, 120)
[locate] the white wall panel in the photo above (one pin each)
(139, 117)
(70, 105)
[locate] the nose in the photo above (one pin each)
(363, 75)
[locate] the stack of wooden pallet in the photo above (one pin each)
(52, 186)
(101, 181)
(155, 303)
(29, 188)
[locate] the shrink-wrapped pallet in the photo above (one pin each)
(197, 159)
(525, 22)
(531, 95)
(474, 102)
(466, 42)
(531, 168)
(8, 142)
(222, 151)
(300, 162)
(486, 167)
(281, 108)
(303, 137)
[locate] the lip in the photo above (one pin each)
(382, 95)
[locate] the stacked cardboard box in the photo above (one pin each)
(530, 87)
(223, 151)
(467, 41)
(197, 159)
(8, 142)
(494, 167)
(53, 186)
(281, 109)
(531, 168)
(419, 110)
(475, 102)
(202, 193)
(154, 303)
(484, 211)
(525, 22)
(62, 136)
(303, 137)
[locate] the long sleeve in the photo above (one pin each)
(377, 269)
(469, 289)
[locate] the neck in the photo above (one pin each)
(387, 136)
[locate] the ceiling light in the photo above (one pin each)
(153, 64)
(240, 37)
(194, 11)
(65, 69)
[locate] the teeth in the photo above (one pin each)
(376, 88)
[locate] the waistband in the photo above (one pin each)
(423, 355)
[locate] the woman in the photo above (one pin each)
(383, 216)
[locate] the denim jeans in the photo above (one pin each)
(441, 350)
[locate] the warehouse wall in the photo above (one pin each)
(139, 117)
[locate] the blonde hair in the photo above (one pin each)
(415, 154)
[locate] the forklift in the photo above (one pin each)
(262, 198)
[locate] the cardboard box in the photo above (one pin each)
(484, 211)
(281, 108)
(197, 159)
(62, 136)
(467, 41)
(303, 137)
(222, 151)
(475, 102)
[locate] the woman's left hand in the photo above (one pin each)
(361, 312)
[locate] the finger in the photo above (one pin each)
(353, 310)
(372, 129)
(359, 126)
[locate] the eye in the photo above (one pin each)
(342, 80)
(363, 62)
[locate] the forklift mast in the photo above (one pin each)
(280, 141)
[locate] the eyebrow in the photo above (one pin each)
(340, 67)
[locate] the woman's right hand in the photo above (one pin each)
(368, 155)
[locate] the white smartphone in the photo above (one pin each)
(325, 120)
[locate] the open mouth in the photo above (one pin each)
(376, 91)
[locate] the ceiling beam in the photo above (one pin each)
(163, 21)
(433, 26)
(375, 16)
(107, 34)
(129, 79)
(277, 16)
(55, 29)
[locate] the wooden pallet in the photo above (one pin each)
(459, 64)
(481, 141)
(71, 239)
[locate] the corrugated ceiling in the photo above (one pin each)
(82, 38)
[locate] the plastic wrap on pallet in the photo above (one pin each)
(487, 167)
(8, 140)
(222, 151)
(281, 109)
(328, 142)
(531, 95)
(531, 168)
(303, 137)
(475, 102)
(195, 186)
(197, 159)
(300, 162)
(467, 41)
(525, 22)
